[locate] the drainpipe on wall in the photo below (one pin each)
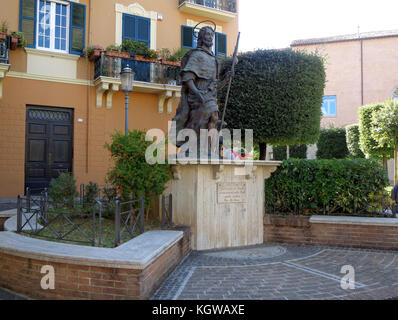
(361, 41)
(88, 88)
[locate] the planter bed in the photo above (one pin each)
(337, 231)
(134, 270)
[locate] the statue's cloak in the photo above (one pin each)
(200, 66)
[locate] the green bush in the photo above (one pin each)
(324, 186)
(332, 144)
(352, 136)
(63, 189)
(367, 142)
(278, 94)
(132, 175)
(139, 48)
(91, 191)
(297, 152)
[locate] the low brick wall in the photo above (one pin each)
(20, 272)
(354, 232)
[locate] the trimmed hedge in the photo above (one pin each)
(352, 136)
(324, 186)
(278, 94)
(332, 144)
(297, 152)
(367, 143)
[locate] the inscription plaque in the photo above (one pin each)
(230, 192)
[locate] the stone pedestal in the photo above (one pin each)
(223, 203)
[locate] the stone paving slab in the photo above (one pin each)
(282, 272)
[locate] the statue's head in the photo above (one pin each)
(205, 37)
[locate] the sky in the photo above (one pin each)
(270, 24)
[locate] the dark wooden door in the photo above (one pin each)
(49, 145)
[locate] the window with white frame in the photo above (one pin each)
(329, 106)
(53, 26)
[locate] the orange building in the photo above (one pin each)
(58, 108)
(360, 69)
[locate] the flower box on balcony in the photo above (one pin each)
(171, 63)
(118, 54)
(94, 55)
(14, 43)
(138, 57)
(3, 35)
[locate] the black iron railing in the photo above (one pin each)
(129, 219)
(82, 222)
(167, 210)
(154, 72)
(5, 50)
(224, 5)
(37, 216)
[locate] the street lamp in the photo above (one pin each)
(127, 79)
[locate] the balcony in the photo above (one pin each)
(150, 77)
(223, 10)
(4, 61)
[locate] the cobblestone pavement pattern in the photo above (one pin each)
(277, 272)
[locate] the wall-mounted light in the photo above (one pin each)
(160, 17)
(80, 120)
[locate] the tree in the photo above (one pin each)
(385, 129)
(278, 94)
(352, 139)
(131, 174)
(332, 144)
(297, 152)
(368, 144)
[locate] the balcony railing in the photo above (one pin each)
(152, 72)
(5, 51)
(151, 77)
(223, 5)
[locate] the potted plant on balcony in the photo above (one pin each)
(93, 52)
(172, 59)
(3, 30)
(139, 50)
(17, 40)
(116, 51)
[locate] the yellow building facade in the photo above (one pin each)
(58, 108)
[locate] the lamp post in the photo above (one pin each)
(127, 79)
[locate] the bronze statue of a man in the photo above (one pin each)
(199, 74)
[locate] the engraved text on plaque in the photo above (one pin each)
(231, 192)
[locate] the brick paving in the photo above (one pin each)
(282, 272)
(8, 295)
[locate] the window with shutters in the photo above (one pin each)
(137, 28)
(189, 38)
(53, 25)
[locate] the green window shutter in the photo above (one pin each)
(221, 44)
(77, 28)
(128, 27)
(27, 21)
(187, 40)
(137, 29)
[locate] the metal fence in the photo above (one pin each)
(224, 5)
(154, 72)
(40, 217)
(5, 50)
(129, 219)
(167, 210)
